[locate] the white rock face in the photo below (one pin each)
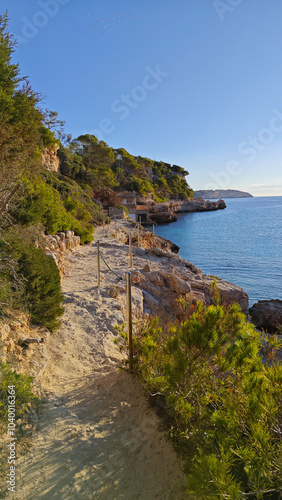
(50, 160)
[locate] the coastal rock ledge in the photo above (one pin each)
(161, 277)
(267, 315)
(165, 212)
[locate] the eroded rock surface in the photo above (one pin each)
(267, 315)
(163, 213)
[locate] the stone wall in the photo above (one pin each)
(58, 244)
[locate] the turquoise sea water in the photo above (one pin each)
(241, 244)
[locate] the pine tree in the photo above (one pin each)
(20, 121)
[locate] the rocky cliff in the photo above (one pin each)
(50, 159)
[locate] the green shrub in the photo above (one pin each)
(25, 396)
(225, 404)
(41, 288)
(43, 204)
(18, 386)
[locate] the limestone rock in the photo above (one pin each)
(50, 159)
(4, 332)
(198, 205)
(176, 283)
(10, 345)
(146, 268)
(58, 244)
(163, 288)
(231, 293)
(165, 212)
(267, 315)
(15, 325)
(137, 302)
(115, 291)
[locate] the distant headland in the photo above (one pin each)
(213, 194)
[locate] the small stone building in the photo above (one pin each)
(142, 214)
(126, 199)
(138, 213)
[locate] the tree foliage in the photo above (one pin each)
(20, 121)
(93, 162)
(40, 289)
(97, 157)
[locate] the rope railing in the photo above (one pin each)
(128, 300)
(120, 278)
(113, 272)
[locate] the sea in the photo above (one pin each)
(241, 244)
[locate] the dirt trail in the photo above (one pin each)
(97, 437)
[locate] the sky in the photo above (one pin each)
(196, 83)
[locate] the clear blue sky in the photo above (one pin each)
(197, 83)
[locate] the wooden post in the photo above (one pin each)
(98, 263)
(153, 228)
(138, 235)
(129, 320)
(130, 250)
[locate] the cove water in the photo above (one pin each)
(241, 244)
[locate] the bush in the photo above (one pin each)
(25, 396)
(19, 386)
(225, 404)
(41, 288)
(43, 295)
(43, 204)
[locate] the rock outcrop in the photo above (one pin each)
(177, 279)
(147, 239)
(267, 315)
(162, 213)
(165, 277)
(198, 205)
(50, 159)
(14, 328)
(170, 286)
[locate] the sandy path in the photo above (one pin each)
(97, 437)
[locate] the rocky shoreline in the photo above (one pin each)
(166, 212)
(160, 277)
(174, 276)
